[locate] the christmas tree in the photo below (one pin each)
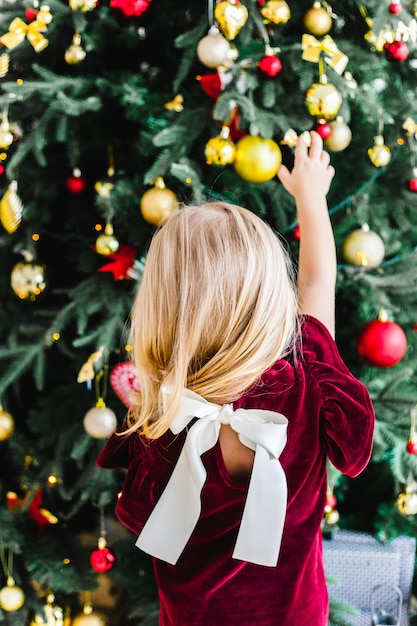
(113, 114)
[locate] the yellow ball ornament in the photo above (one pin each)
(323, 100)
(12, 598)
(52, 615)
(107, 243)
(28, 280)
(340, 136)
(379, 154)
(318, 20)
(257, 159)
(406, 502)
(220, 150)
(89, 619)
(158, 203)
(363, 248)
(6, 424)
(275, 12)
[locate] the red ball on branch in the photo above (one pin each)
(382, 343)
(75, 184)
(102, 560)
(412, 445)
(395, 8)
(323, 129)
(396, 51)
(412, 184)
(270, 65)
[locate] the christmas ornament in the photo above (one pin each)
(100, 422)
(326, 50)
(89, 619)
(158, 203)
(412, 183)
(323, 129)
(318, 20)
(102, 559)
(124, 380)
(52, 614)
(406, 502)
(340, 135)
(213, 49)
(83, 5)
(12, 598)
(220, 150)
(290, 138)
(275, 12)
(211, 84)
(257, 159)
(323, 100)
(363, 248)
(412, 439)
(176, 104)
(11, 208)
(395, 8)
(89, 368)
(396, 50)
(6, 134)
(30, 14)
(379, 154)
(32, 503)
(270, 64)
(124, 264)
(107, 243)
(75, 183)
(382, 343)
(4, 64)
(18, 30)
(411, 127)
(131, 8)
(75, 53)
(296, 233)
(231, 16)
(331, 515)
(28, 279)
(6, 424)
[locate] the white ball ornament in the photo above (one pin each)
(213, 49)
(100, 422)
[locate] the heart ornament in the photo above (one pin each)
(231, 16)
(124, 380)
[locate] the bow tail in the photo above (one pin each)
(260, 532)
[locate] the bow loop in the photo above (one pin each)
(177, 511)
(313, 49)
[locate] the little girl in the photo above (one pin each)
(243, 398)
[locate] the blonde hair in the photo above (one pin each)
(215, 309)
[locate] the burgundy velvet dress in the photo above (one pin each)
(330, 415)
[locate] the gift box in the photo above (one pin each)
(359, 563)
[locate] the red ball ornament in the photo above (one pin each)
(296, 233)
(102, 560)
(412, 184)
(395, 8)
(2, 169)
(31, 14)
(382, 343)
(124, 380)
(270, 65)
(412, 445)
(75, 183)
(131, 8)
(323, 129)
(396, 51)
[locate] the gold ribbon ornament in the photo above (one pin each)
(18, 30)
(291, 138)
(313, 50)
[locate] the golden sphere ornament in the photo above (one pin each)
(379, 154)
(75, 53)
(340, 135)
(257, 159)
(363, 248)
(100, 422)
(158, 203)
(28, 280)
(52, 615)
(318, 20)
(107, 243)
(12, 598)
(6, 424)
(213, 49)
(231, 16)
(406, 502)
(323, 100)
(275, 12)
(220, 150)
(89, 617)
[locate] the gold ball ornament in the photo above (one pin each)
(323, 100)
(52, 615)
(107, 243)
(257, 159)
(75, 53)
(28, 280)
(89, 619)
(379, 154)
(6, 424)
(340, 135)
(12, 598)
(231, 16)
(6, 136)
(100, 422)
(275, 12)
(363, 248)
(158, 203)
(220, 150)
(318, 20)
(406, 502)
(213, 49)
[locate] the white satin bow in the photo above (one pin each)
(177, 511)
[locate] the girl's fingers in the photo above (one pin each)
(316, 149)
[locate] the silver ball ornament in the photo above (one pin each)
(100, 422)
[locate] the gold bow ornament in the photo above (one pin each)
(18, 30)
(291, 138)
(313, 49)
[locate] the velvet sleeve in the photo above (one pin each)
(117, 452)
(347, 414)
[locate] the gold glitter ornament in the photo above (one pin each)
(231, 16)
(28, 280)
(158, 203)
(11, 208)
(75, 53)
(52, 615)
(6, 424)
(220, 150)
(379, 154)
(363, 248)
(107, 243)
(318, 20)
(406, 502)
(275, 12)
(323, 100)
(340, 135)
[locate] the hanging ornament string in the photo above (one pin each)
(7, 564)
